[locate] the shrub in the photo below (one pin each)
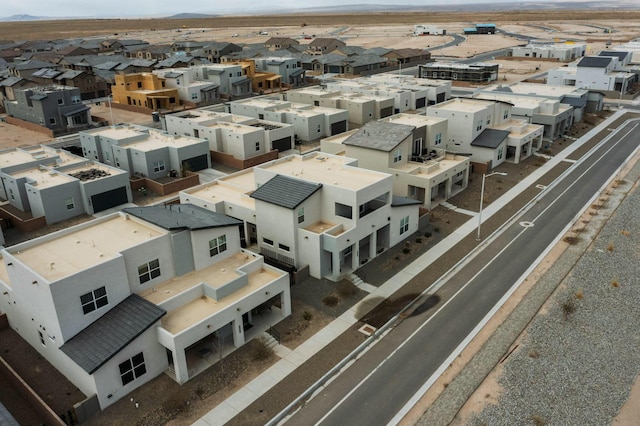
(330, 301)
(346, 288)
(615, 283)
(419, 240)
(260, 351)
(538, 420)
(307, 316)
(625, 232)
(427, 234)
(406, 250)
(610, 247)
(568, 308)
(534, 354)
(579, 295)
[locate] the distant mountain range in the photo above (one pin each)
(372, 8)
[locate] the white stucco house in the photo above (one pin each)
(409, 147)
(486, 130)
(317, 211)
(114, 302)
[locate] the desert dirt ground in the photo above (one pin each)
(367, 31)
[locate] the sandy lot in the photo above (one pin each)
(13, 136)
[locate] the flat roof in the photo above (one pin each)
(57, 256)
(117, 132)
(157, 140)
(15, 157)
(225, 190)
(42, 178)
(414, 119)
(544, 89)
(461, 104)
(325, 169)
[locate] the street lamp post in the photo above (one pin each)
(484, 176)
(110, 110)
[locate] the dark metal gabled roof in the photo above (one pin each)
(490, 138)
(285, 191)
(398, 201)
(182, 216)
(112, 332)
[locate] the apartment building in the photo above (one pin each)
(409, 147)
(478, 72)
(55, 185)
(144, 152)
(144, 90)
(233, 140)
(114, 302)
(485, 130)
(317, 212)
(309, 122)
(58, 108)
(594, 73)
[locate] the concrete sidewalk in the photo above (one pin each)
(291, 359)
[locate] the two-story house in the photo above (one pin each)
(114, 302)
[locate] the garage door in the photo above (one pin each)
(386, 112)
(282, 144)
(420, 103)
(109, 199)
(196, 163)
(339, 127)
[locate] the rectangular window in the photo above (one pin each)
(52, 120)
(69, 204)
(107, 156)
(479, 126)
(149, 271)
(438, 139)
(41, 338)
(75, 99)
(267, 241)
(404, 225)
(397, 155)
(194, 96)
(158, 166)
(60, 101)
(257, 146)
(139, 85)
(217, 245)
(132, 368)
(506, 114)
(172, 100)
(500, 153)
(93, 300)
(301, 215)
(283, 247)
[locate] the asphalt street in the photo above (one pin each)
(377, 386)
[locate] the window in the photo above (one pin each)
(172, 100)
(267, 241)
(139, 85)
(438, 139)
(301, 215)
(257, 146)
(217, 245)
(107, 156)
(41, 338)
(283, 247)
(479, 126)
(93, 300)
(132, 368)
(148, 271)
(318, 128)
(500, 153)
(158, 166)
(60, 101)
(412, 191)
(69, 203)
(117, 161)
(506, 114)
(194, 96)
(404, 225)
(52, 120)
(397, 155)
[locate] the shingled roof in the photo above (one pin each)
(285, 191)
(112, 332)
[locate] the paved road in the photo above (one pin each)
(378, 385)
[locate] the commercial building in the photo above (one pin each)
(478, 72)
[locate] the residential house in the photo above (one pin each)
(215, 51)
(481, 29)
(58, 108)
(180, 61)
(90, 86)
(11, 83)
(146, 152)
(426, 29)
(321, 46)
(55, 185)
(234, 140)
(155, 52)
(280, 43)
(485, 130)
(288, 68)
(261, 82)
(318, 212)
(145, 90)
(191, 90)
(408, 147)
(27, 68)
(361, 108)
(407, 56)
(594, 73)
(564, 52)
(117, 301)
(231, 81)
(310, 122)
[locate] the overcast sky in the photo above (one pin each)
(114, 8)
